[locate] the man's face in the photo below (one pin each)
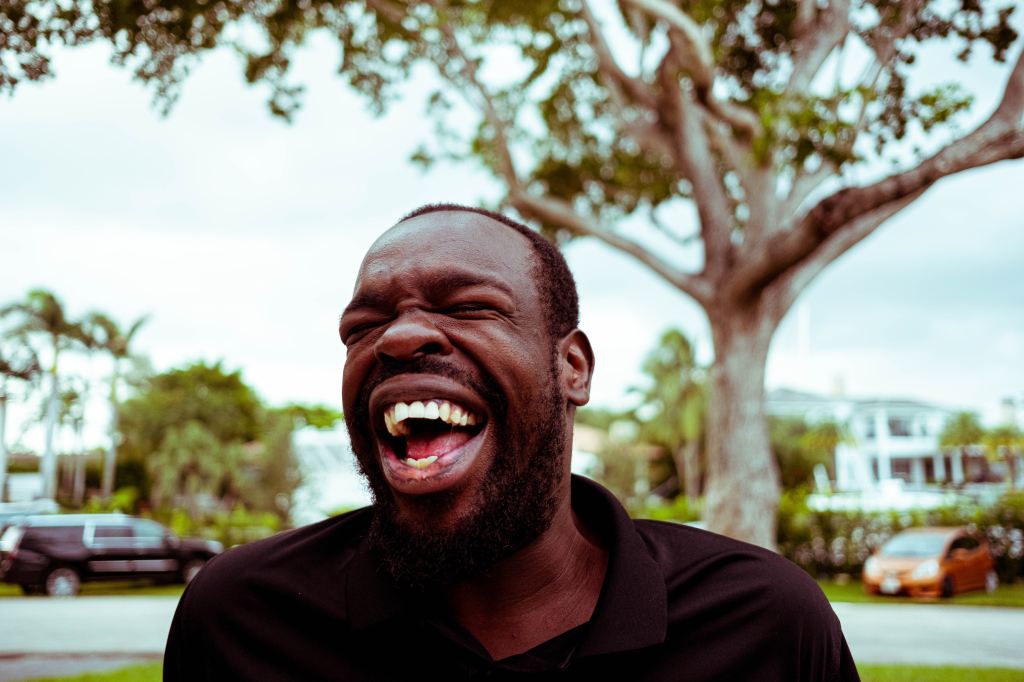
(452, 396)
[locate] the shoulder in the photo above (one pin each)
(308, 558)
(747, 606)
(720, 572)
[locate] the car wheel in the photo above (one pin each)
(991, 581)
(191, 570)
(62, 582)
(947, 587)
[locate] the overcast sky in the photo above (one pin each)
(240, 236)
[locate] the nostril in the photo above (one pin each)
(432, 348)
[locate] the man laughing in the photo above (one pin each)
(481, 556)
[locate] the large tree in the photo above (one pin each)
(201, 435)
(592, 112)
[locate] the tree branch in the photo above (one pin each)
(999, 138)
(625, 91)
(790, 285)
(387, 10)
(803, 185)
(694, 56)
(700, 62)
(684, 123)
(679, 239)
(560, 213)
(816, 41)
(468, 71)
(615, 77)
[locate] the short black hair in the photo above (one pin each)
(556, 285)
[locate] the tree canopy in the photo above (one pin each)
(200, 436)
(751, 116)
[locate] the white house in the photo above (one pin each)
(888, 439)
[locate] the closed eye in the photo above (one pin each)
(466, 308)
(352, 332)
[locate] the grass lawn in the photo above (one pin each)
(1005, 595)
(924, 673)
(140, 588)
(868, 673)
(147, 672)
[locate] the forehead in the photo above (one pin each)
(450, 243)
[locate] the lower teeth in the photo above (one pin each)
(420, 463)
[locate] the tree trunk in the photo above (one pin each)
(78, 489)
(49, 463)
(742, 487)
(3, 441)
(110, 461)
(688, 468)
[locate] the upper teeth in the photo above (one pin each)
(449, 413)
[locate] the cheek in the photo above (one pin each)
(352, 378)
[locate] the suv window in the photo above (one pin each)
(112, 536)
(148, 533)
(37, 537)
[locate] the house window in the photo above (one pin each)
(899, 428)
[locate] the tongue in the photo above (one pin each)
(435, 445)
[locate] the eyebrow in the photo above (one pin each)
(434, 285)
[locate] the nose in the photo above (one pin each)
(411, 335)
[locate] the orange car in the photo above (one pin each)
(931, 562)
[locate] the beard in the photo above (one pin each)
(514, 505)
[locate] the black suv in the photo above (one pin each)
(54, 554)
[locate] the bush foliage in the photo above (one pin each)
(826, 543)
(831, 542)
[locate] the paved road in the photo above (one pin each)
(933, 634)
(48, 637)
(58, 636)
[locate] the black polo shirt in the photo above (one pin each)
(677, 603)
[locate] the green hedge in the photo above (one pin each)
(830, 542)
(827, 543)
(236, 527)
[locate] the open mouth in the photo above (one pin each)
(422, 432)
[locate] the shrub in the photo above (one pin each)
(831, 542)
(827, 543)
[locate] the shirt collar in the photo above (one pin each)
(631, 613)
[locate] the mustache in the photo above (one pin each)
(484, 386)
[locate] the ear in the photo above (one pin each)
(576, 359)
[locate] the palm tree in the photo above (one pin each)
(109, 337)
(676, 397)
(17, 361)
(1006, 441)
(42, 314)
(962, 431)
(71, 413)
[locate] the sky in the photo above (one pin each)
(240, 236)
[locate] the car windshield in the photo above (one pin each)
(914, 544)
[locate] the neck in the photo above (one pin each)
(541, 591)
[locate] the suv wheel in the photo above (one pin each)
(191, 570)
(62, 582)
